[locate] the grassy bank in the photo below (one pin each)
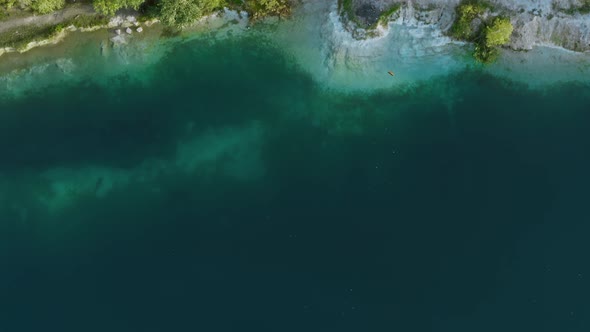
(21, 36)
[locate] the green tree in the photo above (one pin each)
(7, 3)
(262, 8)
(485, 54)
(499, 32)
(47, 6)
(466, 13)
(180, 14)
(495, 34)
(110, 7)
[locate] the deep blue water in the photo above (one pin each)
(385, 211)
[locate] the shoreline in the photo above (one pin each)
(414, 50)
(73, 19)
(321, 47)
(339, 66)
(408, 13)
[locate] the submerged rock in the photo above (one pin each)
(118, 40)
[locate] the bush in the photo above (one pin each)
(466, 13)
(47, 6)
(110, 7)
(181, 13)
(347, 8)
(262, 8)
(485, 54)
(488, 36)
(57, 29)
(7, 4)
(89, 21)
(27, 34)
(499, 32)
(493, 35)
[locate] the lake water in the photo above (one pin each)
(216, 184)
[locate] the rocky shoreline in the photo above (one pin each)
(413, 43)
(562, 23)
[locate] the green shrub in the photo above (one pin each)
(179, 13)
(466, 13)
(499, 32)
(485, 54)
(493, 35)
(86, 21)
(110, 7)
(7, 4)
(47, 6)
(57, 29)
(20, 37)
(488, 36)
(346, 7)
(263, 8)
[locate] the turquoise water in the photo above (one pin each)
(218, 185)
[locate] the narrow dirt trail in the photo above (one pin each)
(47, 19)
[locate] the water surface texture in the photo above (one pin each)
(216, 184)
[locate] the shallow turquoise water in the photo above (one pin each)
(221, 188)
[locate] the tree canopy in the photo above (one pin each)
(495, 34)
(499, 32)
(474, 23)
(47, 6)
(110, 7)
(466, 13)
(179, 13)
(261, 8)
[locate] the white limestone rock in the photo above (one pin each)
(536, 22)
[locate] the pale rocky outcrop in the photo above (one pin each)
(536, 22)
